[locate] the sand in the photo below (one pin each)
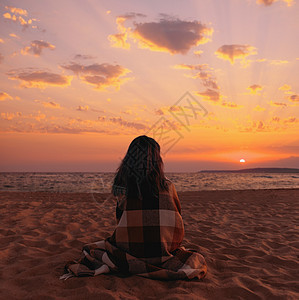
(250, 240)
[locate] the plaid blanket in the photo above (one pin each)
(146, 242)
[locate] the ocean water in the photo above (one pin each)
(75, 182)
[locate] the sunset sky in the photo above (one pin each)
(212, 81)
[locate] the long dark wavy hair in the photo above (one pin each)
(141, 172)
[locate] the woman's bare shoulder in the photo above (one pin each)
(170, 184)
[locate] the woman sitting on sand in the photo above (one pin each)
(149, 229)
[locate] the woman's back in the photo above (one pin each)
(150, 229)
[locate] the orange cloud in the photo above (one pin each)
(285, 87)
(1, 58)
(39, 79)
(258, 126)
(39, 116)
(270, 2)
(18, 11)
(230, 104)
(19, 19)
(291, 120)
(1, 41)
(278, 62)
(254, 89)
(8, 116)
(119, 40)
(14, 35)
(100, 75)
(259, 108)
(16, 15)
(38, 122)
(4, 96)
(232, 52)
(274, 62)
(50, 104)
(197, 53)
(40, 127)
(167, 35)
(36, 47)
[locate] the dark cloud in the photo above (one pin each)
(39, 79)
(120, 121)
(232, 52)
(174, 36)
(281, 104)
(230, 104)
(167, 35)
(216, 98)
(275, 119)
(97, 110)
(265, 2)
(254, 89)
(294, 98)
(159, 112)
(206, 76)
(202, 72)
(164, 110)
(83, 57)
(99, 75)
(132, 15)
(36, 47)
(210, 95)
(82, 108)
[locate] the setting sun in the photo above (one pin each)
(242, 160)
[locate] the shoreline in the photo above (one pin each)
(179, 191)
(249, 239)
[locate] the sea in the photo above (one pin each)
(84, 182)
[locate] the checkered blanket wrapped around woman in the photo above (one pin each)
(146, 242)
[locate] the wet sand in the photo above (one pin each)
(250, 240)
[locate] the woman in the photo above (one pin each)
(150, 228)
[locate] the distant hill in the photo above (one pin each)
(255, 170)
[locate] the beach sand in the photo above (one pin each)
(249, 239)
